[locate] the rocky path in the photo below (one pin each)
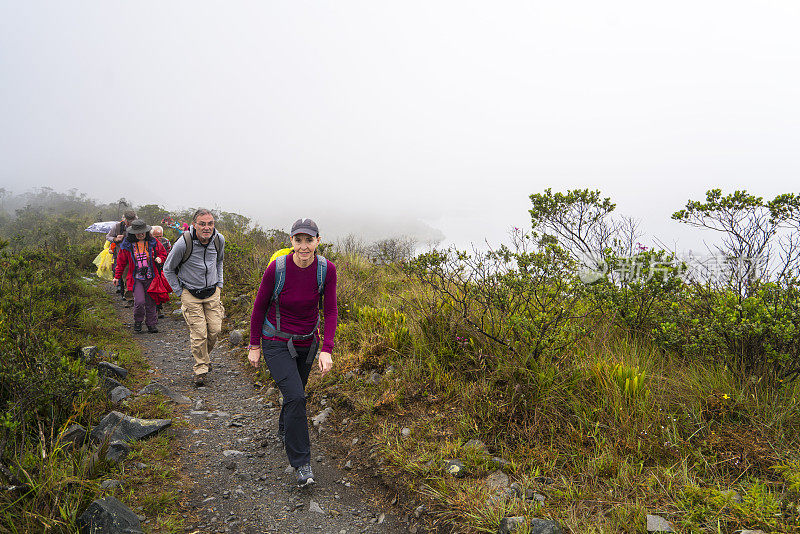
(241, 480)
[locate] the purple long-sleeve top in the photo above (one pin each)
(299, 303)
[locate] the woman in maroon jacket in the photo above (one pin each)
(287, 331)
(143, 253)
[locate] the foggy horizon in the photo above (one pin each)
(433, 120)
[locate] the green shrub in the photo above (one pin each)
(756, 335)
(40, 301)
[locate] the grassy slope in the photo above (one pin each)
(64, 481)
(675, 445)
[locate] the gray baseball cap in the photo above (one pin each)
(305, 226)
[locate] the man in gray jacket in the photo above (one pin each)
(194, 271)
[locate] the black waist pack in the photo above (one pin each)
(202, 293)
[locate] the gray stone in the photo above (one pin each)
(322, 416)
(511, 524)
(155, 387)
(73, 436)
(374, 378)
(314, 507)
(657, 523)
(110, 484)
(752, 532)
(545, 526)
(90, 354)
(405, 432)
(348, 465)
(177, 313)
(118, 426)
(109, 516)
(419, 510)
(508, 493)
(497, 480)
(119, 394)
(109, 383)
(114, 371)
(732, 495)
(236, 338)
(456, 468)
(117, 451)
(231, 452)
(476, 444)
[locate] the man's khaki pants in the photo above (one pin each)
(204, 317)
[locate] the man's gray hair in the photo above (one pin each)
(199, 212)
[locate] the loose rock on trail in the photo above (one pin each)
(241, 479)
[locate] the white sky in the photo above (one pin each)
(379, 117)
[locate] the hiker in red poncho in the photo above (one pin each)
(144, 254)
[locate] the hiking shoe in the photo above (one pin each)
(152, 329)
(305, 476)
(200, 380)
(137, 327)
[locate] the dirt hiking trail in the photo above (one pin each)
(240, 479)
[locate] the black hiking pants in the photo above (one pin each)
(291, 375)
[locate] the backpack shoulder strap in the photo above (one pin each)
(322, 271)
(218, 246)
(187, 240)
(280, 277)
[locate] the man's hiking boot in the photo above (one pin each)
(137, 327)
(305, 476)
(152, 329)
(200, 380)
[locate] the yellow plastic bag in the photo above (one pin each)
(281, 252)
(105, 263)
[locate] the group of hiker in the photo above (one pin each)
(284, 324)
